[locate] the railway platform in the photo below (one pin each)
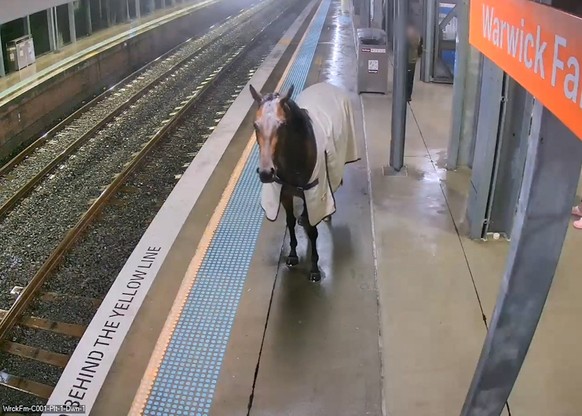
(49, 64)
(206, 319)
(65, 80)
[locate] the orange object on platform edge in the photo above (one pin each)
(538, 46)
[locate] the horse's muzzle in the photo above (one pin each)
(266, 176)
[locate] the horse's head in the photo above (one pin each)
(270, 117)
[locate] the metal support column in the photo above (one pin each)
(429, 41)
(72, 27)
(366, 12)
(460, 81)
(2, 69)
(500, 141)
(87, 6)
(52, 29)
(511, 158)
(137, 9)
(489, 126)
(389, 21)
(466, 148)
(108, 12)
(554, 160)
(399, 86)
(27, 28)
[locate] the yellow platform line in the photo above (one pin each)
(151, 373)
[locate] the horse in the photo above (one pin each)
(303, 148)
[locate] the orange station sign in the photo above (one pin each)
(538, 46)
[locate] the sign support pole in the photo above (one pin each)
(399, 86)
(2, 69)
(550, 181)
(548, 189)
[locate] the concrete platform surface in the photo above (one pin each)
(397, 324)
(435, 284)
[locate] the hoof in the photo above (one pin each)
(292, 261)
(315, 276)
(327, 219)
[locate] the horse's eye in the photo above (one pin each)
(256, 126)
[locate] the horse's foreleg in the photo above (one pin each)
(292, 259)
(315, 274)
(303, 219)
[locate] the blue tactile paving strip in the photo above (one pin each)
(190, 368)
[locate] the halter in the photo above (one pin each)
(307, 187)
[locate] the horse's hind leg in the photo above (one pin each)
(287, 201)
(315, 274)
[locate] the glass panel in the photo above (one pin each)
(445, 42)
(63, 31)
(81, 21)
(40, 32)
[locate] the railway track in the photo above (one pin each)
(26, 327)
(35, 227)
(20, 175)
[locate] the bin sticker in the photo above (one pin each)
(374, 50)
(372, 66)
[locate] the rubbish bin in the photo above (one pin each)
(19, 51)
(372, 61)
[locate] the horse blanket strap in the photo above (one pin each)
(299, 188)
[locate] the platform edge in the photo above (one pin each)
(158, 238)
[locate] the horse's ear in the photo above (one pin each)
(256, 96)
(289, 94)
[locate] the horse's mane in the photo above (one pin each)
(299, 117)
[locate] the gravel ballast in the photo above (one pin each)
(92, 265)
(34, 228)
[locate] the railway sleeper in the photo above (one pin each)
(27, 386)
(62, 328)
(36, 354)
(55, 297)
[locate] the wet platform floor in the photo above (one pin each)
(397, 321)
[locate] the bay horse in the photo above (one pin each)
(303, 147)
